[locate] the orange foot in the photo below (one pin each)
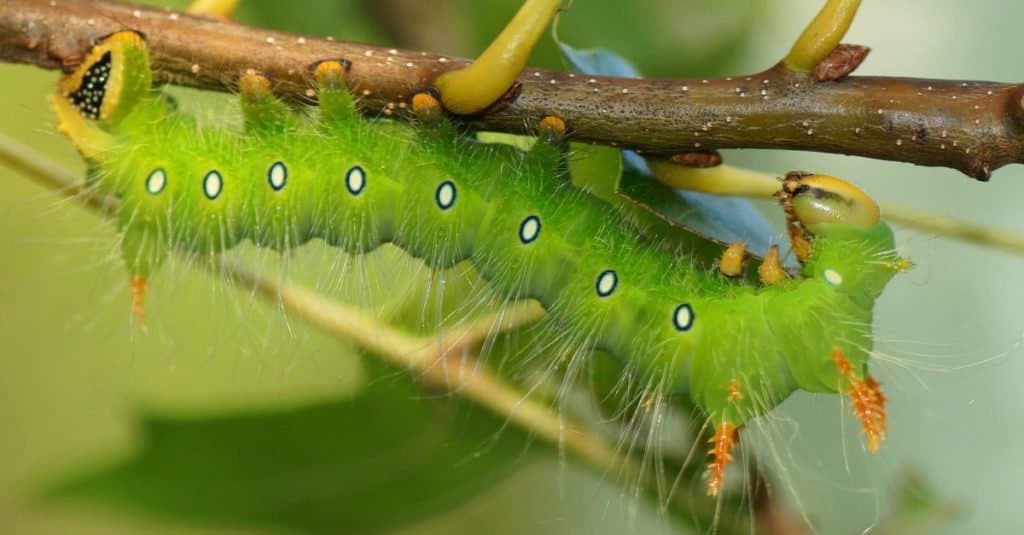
(867, 399)
(137, 291)
(427, 107)
(725, 439)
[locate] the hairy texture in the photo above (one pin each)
(737, 350)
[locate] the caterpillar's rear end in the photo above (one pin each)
(112, 79)
(112, 83)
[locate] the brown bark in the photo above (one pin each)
(970, 126)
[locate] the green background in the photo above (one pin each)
(74, 371)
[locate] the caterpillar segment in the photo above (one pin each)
(736, 350)
(259, 105)
(427, 107)
(333, 98)
(725, 438)
(771, 271)
(867, 399)
(553, 130)
(733, 258)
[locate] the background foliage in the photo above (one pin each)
(80, 388)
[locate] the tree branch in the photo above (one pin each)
(970, 126)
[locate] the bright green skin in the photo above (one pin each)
(768, 340)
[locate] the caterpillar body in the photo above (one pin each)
(736, 349)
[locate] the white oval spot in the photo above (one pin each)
(683, 317)
(156, 181)
(355, 180)
(445, 195)
(607, 281)
(213, 184)
(277, 176)
(833, 277)
(529, 229)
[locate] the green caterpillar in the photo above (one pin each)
(737, 350)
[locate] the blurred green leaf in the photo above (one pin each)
(386, 457)
(341, 19)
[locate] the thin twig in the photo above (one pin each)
(750, 183)
(954, 228)
(974, 127)
(44, 172)
(439, 360)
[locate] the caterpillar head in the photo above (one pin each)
(856, 249)
(112, 79)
